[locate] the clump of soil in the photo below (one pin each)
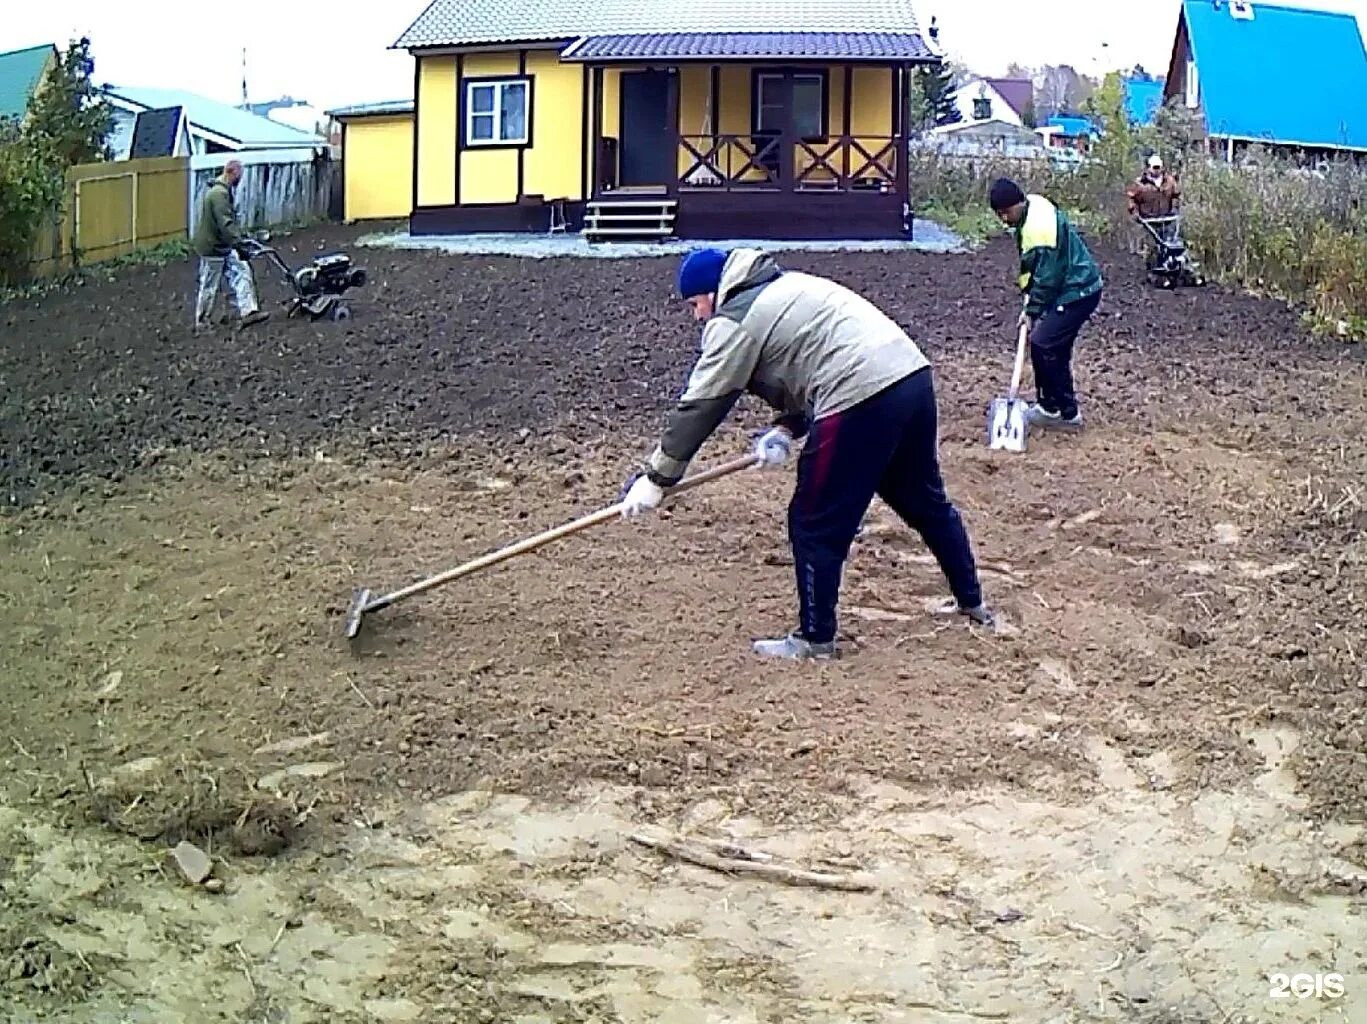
(187, 801)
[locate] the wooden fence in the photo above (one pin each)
(114, 208)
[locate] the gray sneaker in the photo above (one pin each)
(794, 647)
(1038, 416)
(981, 614)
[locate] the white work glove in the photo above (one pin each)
(1023, 319)
(774, 447)
(642, 495)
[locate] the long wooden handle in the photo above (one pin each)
(1020, 360)
(532, 543)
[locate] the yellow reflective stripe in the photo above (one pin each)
(1040, 230)
(1023, 281)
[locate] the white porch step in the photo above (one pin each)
(636, 218)
(644, 203)
(628, 216)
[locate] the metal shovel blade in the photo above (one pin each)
(1006, 425)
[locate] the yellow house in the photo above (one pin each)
(377, 150)
(630, 118)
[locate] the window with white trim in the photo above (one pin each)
(497, 112)
(809, 107)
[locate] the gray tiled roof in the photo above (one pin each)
(781, 45)
(466, 22)
(373, 109)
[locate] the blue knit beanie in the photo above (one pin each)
(700, 272)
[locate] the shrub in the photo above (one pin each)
(31, 184)
(66, 122)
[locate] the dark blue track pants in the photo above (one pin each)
(884, 446)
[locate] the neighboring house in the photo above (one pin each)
(1272, 75)
(1143, 97)
(983, 139)
(377, 146)
(20, 73)
(210, 126)
(1010, 100)
(1065, 132)
(705, 120)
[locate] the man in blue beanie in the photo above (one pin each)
(1062, 287)
(845, 377)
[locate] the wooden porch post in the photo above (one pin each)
(674, 112)
(596, 145)
(714, 92)
(847, 127)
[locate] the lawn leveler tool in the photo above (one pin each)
(363, 601)
(318, 287)
(1169, 265)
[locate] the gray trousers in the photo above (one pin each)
(212, 271)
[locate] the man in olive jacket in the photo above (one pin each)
(841, 374)
(1062, 287)
(217, 241)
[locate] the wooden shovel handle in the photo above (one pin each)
(532, 543)
(1020, 359)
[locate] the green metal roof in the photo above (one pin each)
(20, 72)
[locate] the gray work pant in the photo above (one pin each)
(212, 271)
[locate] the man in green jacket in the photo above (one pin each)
(218, 240)
(1062, 286)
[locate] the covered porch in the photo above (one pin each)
(807, 141)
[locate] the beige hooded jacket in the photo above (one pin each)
(807, 346)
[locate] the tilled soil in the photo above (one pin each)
(189, 515)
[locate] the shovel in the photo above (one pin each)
(363, 601)
(1006, 416)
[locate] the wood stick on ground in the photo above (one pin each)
(694, 854)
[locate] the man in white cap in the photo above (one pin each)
(1155, 193)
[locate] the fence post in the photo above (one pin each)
(76, 227)
(135, 210)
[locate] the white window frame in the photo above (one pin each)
(774, 76)
(498, 85)
(1193, 90)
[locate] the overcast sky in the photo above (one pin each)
(314, 52)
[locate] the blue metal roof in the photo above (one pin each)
(1287, 75)
(20, 72)
(1072, 127)
(1142, 100)
(781, 45)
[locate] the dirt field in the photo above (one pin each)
(1139, 802)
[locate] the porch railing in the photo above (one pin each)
(746, 162)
